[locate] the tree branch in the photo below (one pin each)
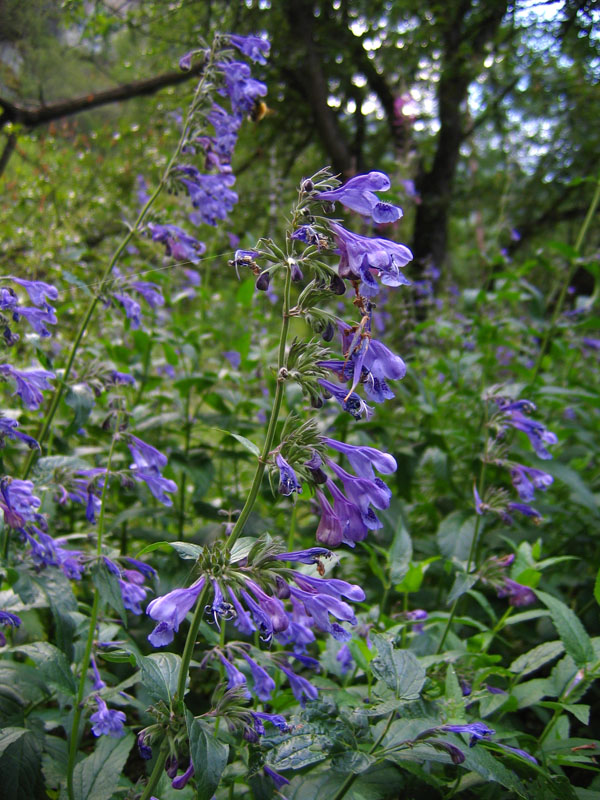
(32, 117)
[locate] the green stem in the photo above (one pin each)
(573, 266)
(41, 437)
(262, 460)
(351, 778)
(183, 486)
(184, 666)
(78, 710)
(469, 562)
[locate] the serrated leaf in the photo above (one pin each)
(398, 669)
(455, 534)
(537, 657)
(400, 552)
(300, 751)
(354, 761)
(572, 633)
(159, 674)
(209, 757)
(10, 735)
(462, 583)
(52, 663)
(483, 763)
(97, 776)
(20, 770)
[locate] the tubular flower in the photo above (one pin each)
(30, 384)
(288, 482)
(107, 721)
(362, 255)
(358, 195)
(170, 610)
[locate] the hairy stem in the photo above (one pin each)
(184, 667)
(262, 460)
(78, 710)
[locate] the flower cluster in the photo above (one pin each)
(254, 601)
(39, 316)
(526, 480)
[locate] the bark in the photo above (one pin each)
(464, 43)
(32, 117)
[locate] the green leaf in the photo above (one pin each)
(483, 763)
(97, 776)
(108, 587)
(245, 293)
(400, 552)
(572, 633)
(579, 710)
(242, 548)
(209, 757)
(354, 761)
(59, 593)
(52, 663)
(300, 751)
(160, 673)
(536, 658)
(20, 770)
(10, 735)
(250, 446)
(580, 493)
(398, 669)
(462, 583)
(455, 534)
(597, 587)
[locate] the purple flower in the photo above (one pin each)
(170, 610)
(38, 291)
(151, 292)
(277, 779)
(38, 318)
(518, 595)
(263, 682)
(330, 530)
(210, 194)
(185, 62)
(144, 749)
(527, 479)
(147, 466)
(243, 90)
(181, 781)
(132, 308)
(512, 414)
(361, 254)
(145, 569)
(98, 682)
(477, 731)
(6, 618)
(252, 47)
(349, 401)
(121, 378)
(277, 720)
(417, 616)
(8, 299)
(18, 502)
(288, 482)
(345, 659)
(363, 491)
(302, 689)
(331, 586)
(243, 621)
(29, 384)
(234, 358)
(298, 633)
(363, 459)
(107, 721)
(8, 430)
(310, 556)
(133, 590)
(178, 244)
(320, 606)
(358, 195)
(271, 606)
(234, 676)
(518, 752)
(308, 235)
(527, 510)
